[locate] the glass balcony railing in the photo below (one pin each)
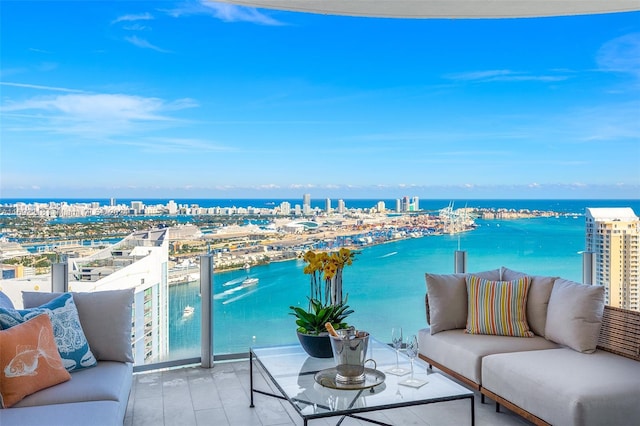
(249, 307)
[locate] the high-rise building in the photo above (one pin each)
(613, 236)
(285, 208)
(172, 207)
(405, 204)
(306, 204)
(415, 204)
(398, 205)
(327, 205)
(380, 207)
(341, 207)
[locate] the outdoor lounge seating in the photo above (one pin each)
(96, 395)
(581, 367)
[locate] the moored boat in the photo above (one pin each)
(188, 311)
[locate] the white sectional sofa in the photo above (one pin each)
(93, 396)
(581, 367)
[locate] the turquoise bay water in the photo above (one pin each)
(386, 284)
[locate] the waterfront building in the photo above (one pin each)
(613, 236)
(306, 204)
(9, 250)
(140, 261)
(285, 208)
(172, 207)
(341, 206)
(405, 204)
(398, 205)
(327, 205)
(137, 207)
(415, 204)
(380, 207)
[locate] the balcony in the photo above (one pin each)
(220, 396)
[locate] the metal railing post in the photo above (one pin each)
(460, 262)
(206, 299)
(587, 267)
(59, 278)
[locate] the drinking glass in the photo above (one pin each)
(412, 353)
(396, 341)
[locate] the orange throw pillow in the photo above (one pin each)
(29, 360)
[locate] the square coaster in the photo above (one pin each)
(414, 383)
(398, 371)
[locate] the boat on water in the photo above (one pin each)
(188, 311)
(249, 281)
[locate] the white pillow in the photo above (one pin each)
(574, 315)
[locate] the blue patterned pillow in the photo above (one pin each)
(67, 331)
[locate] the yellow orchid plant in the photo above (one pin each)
(327, 268)
(326, 303)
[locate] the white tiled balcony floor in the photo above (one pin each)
(220, 396)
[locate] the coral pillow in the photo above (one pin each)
(29, 360)
(498, 307)
(67, 330)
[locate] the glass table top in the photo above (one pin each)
(293, 371)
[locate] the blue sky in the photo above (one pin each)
(205, 100)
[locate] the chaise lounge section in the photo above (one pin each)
(97, 395)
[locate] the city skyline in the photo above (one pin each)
(207, 100)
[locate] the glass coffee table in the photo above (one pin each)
(293, 373)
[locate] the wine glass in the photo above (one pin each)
(412, 353)
(396, 341)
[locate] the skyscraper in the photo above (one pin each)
(613, 235)
(415, 204)
(306, 204)
(327, 205)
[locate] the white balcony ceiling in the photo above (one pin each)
(446, 8)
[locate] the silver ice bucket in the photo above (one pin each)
(349, 352)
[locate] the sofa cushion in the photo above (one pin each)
(5, 302)
(538, 299)
(94, 413)
(492, 274)
(447, 301)
(29, 360)
(572, 388)
(574, 316)
(463, 353)
(497, 307)
(108, 381)
(69, 335)
(105, 317)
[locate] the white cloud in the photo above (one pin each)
(133, 17)
(621, 54)
(135, 27)
(503, 75)
(479, 75)
(95, 114)
(39, 87)
(178, 145)
(224, 12)
(144, 44)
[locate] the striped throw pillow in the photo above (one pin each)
(498, 307)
